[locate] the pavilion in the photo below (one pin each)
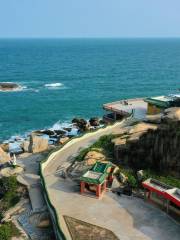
(96, 178)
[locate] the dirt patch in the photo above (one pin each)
(81, 230)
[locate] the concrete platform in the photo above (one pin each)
(129, 218)
(138, 106)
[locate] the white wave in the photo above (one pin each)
(53, 85)
(59, 126)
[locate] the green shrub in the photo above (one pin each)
(8, 184)
(7, 231)
(82, 154)
(8, 192)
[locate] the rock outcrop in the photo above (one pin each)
(9, 86)
(4, 157)
(171, 114)
(94, 122)
(148, 146)
(37, 144)
(80, 123)
(93, 156)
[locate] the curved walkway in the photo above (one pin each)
(128, 219)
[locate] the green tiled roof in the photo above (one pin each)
(97, 174)
(158, 103)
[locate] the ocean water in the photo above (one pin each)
(66, 78)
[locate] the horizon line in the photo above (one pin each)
(137, 37)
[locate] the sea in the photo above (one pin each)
(66, 78)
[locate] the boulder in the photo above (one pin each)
(38, 144)
(9, 171)
(122, 178)
(5, 147)
(26, 146)
(93, 156)
(94, 122)
(80, 123)
(140, 175)
(156, 118)
(63, 140)
(4, 157)
(115, 183)
(171, 114)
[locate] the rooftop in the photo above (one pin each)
(126, 107)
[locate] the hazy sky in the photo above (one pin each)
(89, 18)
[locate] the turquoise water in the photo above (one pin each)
(90, 72)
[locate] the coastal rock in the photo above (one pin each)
(9, 86)
(94, 122)
(5, 147)
(80, 123)
(4, 157)
(93, 156)
(26, 146)
(37, 144)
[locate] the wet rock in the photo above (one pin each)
(80, 123)
(9, 86)
(94, 122)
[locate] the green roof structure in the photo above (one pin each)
(161, 101)
(97, 174)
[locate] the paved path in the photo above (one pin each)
(128, 219)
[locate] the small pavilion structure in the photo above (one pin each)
(169, 195)
(96, 179)
(156, 105)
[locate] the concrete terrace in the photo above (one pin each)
(128, 218)
(138, 105)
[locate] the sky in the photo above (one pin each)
(89, 18)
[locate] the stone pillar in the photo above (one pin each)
(82, 185)
(98, 190)
(104, 186)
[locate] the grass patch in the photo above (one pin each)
(169, 180)
(8, 230)
(8, 193)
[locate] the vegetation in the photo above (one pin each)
(169, 180)
(8, 230)
(8, 193)
(104, 143)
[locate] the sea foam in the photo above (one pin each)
(53, 85)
